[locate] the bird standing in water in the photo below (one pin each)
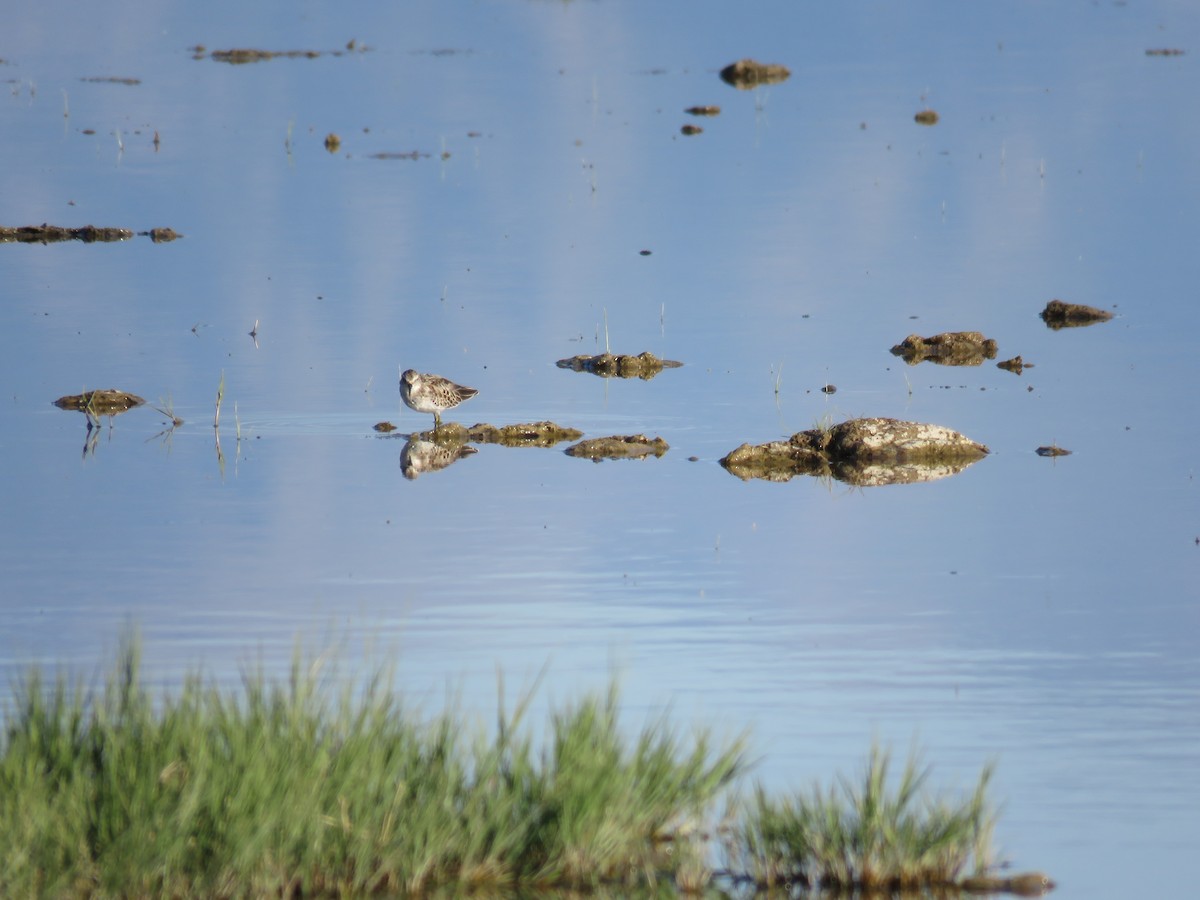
(432, 394)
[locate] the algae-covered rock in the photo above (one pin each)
(632, 446)
(534, 434)
(103, 402)
(1060, 314)
(864, 452)
(48, 234)
(610, 365)
(952, 348)
(746, 74)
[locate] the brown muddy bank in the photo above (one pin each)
(865, 452)
(611, 365)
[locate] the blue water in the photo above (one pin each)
(1036, 612)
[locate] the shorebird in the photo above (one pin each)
(432, 394)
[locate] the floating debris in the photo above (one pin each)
(1016, 364)
(384, 427)
(865, 452)
(1053, 450)
(111, 80)
(952, 348)
(703, 110)
(333, 143)
(1165, 51)
(412, 154)
(829, 389)
(632, 446)
(747, 74)
(420, 456)
(103, 402)
(1059, 314)
(608, 365)
(926, 117)
(691, 129)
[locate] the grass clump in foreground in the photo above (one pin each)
(298, 789)
(865, 837)
(301, 789)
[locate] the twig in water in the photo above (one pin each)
(220, 397)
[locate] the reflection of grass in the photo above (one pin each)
(865, 837)
(297, 789)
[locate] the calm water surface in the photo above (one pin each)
(1040, 613)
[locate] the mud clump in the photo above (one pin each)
(632, 446)
(535, 434)
(242, 55)
(88, 234)
(1015, 365)
(609, 365)
(1059, 314)
(1052, 450)
(103, 402)
(691, 130)
(703, 110)
(532, 434)
(926, 117)
(747, 74)
(49, 234)
(952, 348)
(864, 452)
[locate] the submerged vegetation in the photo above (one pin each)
(302, 789)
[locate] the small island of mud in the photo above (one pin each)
(88, 234)
(747, 74)
(609, 365)
(531, 434)
(865, 452)
(952, 348)
(1059, 314)
(103, 402)
(631, 446)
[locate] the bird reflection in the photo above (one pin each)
(420, 456)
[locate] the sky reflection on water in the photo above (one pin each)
(1040, 612)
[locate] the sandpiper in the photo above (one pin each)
(432, 394)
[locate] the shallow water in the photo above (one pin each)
(1038, 612)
